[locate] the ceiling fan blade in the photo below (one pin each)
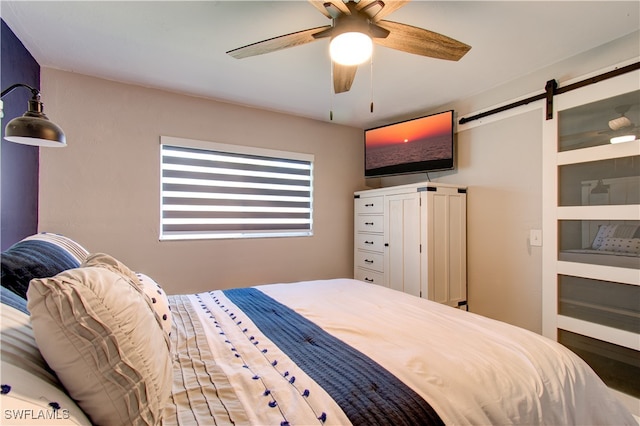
(319, 4)
(331, 8)
(378, 9)
(325, 33)
(343, 76)
(370, 7)
(419, 41)
(277, 43)
(376, 31)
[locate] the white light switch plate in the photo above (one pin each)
(535, 237)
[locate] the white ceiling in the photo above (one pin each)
(180, 46)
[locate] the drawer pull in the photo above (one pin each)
(370, 262)
(369, 205)
(369, 280)
(369, 223)
(368, 242)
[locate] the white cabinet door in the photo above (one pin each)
(444, 240)
(403, 233)
(457, 204)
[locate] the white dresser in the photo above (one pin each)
(412, 238)
(369, 238)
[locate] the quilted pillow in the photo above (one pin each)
(109, 262)
(98, 332)
(38, 256)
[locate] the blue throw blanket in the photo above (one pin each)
(367, 393)
(29, 259)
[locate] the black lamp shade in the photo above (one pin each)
(34, 128)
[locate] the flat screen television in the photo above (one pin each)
(421, 144)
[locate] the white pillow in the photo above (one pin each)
(31, 394)
(614, 231)
(28, 400)
(158, 299)
(97, 331)
(604, 231)
(621, 245)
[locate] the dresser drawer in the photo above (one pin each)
(370, 261)
(370, 242)
(369, 205)
(369, 276)
(369, 223)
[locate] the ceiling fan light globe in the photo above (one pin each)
(351, 48)
(623, 139)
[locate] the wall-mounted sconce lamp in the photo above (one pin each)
(34, 127)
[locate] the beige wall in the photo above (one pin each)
(501, 164)
(505, 195)
(103, 188)
(500, 159)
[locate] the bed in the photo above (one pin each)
(91, 341)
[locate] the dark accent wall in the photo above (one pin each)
(19, 163)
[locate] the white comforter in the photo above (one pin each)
(471, 369)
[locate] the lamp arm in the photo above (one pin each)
(34, 92)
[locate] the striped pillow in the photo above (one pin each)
(65, 243)
(38, 256)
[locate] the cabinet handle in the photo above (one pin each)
(369, 205)
(369, 280)
(368, 242)
(368, 261)
(369, 223)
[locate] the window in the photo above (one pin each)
(211, 190)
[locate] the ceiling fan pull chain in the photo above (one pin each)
(331, 90)
(371, 75)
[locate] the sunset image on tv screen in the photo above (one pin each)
(422, 139)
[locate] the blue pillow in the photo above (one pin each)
(28, 259)
(9, 298)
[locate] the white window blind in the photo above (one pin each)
(211, 190)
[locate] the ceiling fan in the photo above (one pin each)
(622, 129)
(364, 17)
(619, 129)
